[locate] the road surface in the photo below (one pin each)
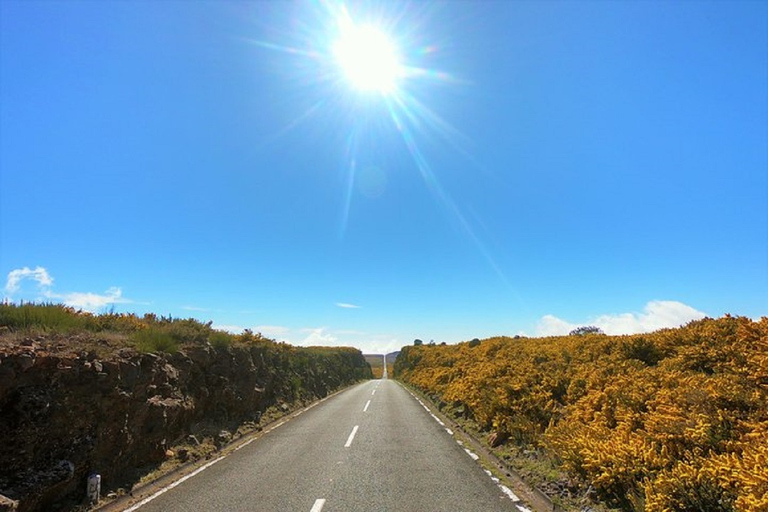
(373, 447)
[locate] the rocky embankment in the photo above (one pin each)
(65, 414)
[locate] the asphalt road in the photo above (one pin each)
(371, 448)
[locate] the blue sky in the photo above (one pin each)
(538, 166)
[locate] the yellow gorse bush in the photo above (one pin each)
(672, 420)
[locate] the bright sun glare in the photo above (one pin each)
(368, 58)
(336, 51)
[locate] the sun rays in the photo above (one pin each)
(366, 64)
(367, 57)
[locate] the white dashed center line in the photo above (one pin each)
(351, 437)
(365, 409)
(318, 506)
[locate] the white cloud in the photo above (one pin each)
(368, 343)
(39, 274)
(319, 336)
(657, 314)
(233, 329)
(88, 301)
(196, 309)
(550, 325)
(271, 330)
(383, 345)
(351, 332)
(347, 306)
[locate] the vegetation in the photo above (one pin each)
(155, 340)
(587, 329)
(150, 333)
(674, 420)
(147, 333)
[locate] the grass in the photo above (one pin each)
(42, 316)
(149, 333)
(155, 340)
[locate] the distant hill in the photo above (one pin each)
(377, 363)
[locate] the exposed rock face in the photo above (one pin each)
(63, 416)
(7, 504)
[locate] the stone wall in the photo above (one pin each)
(64, 415)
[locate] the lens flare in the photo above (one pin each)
(362, 64)
(367, 57)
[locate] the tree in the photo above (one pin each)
(475, 342)
(584, 330)
(417, 342)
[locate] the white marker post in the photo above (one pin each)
(93, 490)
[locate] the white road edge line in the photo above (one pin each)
(365, 409)
(472, 454)
(351, 437)
(511, 495)
(214, 461)
(506, 490)
(318, 506)
(174, 484)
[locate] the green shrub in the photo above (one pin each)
(220, 339)
(155, 340)
(45, 316)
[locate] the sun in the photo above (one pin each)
(368, 58)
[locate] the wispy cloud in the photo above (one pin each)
(89, 301)
(272, 330)
(550, 325)
(657, 314)
(318, 336)
(195, 308)
(347, 305)
(40, 275)
(234, 329)
(351, 332)
(43, 283)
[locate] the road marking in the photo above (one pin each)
(318, 503)
(373, 392)
(437, 419)
(267, 431)
(471, 454)
(365, 409)
(351, 437)
(174, 484)
(318, 506)
(504, 489)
